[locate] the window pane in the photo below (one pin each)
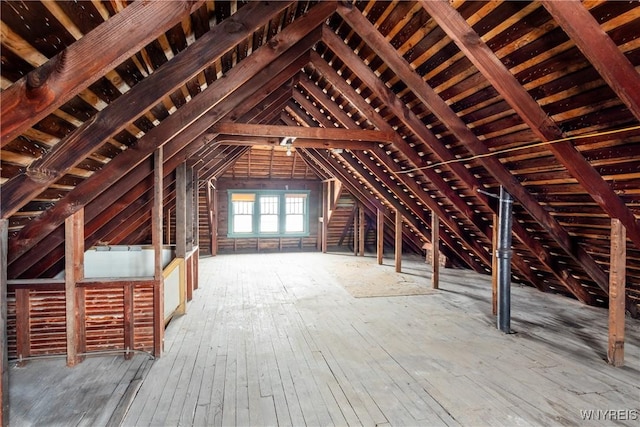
(242, 223)
(269, 205)
(295, 205)
(242, 216)
(294, 223)
(268, 223)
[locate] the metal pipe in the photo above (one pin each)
(503, 254)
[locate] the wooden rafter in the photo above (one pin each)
(246, 129)
(502, 175)
(43, 90)
(470, 43)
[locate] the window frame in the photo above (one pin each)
(256, 214)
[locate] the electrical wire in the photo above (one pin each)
(524, 147)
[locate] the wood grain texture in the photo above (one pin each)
(33, 97)
(617, 280)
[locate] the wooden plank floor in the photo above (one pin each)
(275, 339)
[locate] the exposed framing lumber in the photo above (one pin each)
(599, 49)
(247, 79)
(325, 142)
(356, 229)
(384, 158)
(617, 292)
(324, 235)
(74, 296)
(156, 236)
(435, 251)
(46, 88)
(398, 242)
(361, 230)
(470, 43)
(379, 236)
(254, 130)
(122, 111)
(494, 266)
(4, 356)
(427, 95)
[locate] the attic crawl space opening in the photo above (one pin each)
(395, 120)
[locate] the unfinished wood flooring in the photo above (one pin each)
(275, 339)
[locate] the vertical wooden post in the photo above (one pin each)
(361, 230)
(494, 266)
(23, 325)
(188, 190)
(398, 242)
(380, 235)
(128, 320)
(214, 221)
(182, 231)
(356, 209)
(324, 233)
(617, 293)
(4, 357)
(74, 296)
(156, 237)
(435, 250)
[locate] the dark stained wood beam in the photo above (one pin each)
(127, 108)
(273, 63)
(302, 132)
(428, 96)
(46, 88)
(347, 144)
(435, 251)
(470, 43)
(599, 49)
(379, 236)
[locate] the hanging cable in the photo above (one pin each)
(524, 147)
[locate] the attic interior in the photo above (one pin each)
(187, 129)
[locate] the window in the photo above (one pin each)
(268, 213)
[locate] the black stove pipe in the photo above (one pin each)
(505, 216)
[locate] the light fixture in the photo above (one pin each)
(287, 141)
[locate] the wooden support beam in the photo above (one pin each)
(156, 237)
(380, 235)
(182, 226)
(74, 296)
(449, 117)
(190, 211)
(398, 242)
(4, 356)
(494, 266)
(496, 73)
(128, 320)
(303, 142)
(245, 129)
(46, 88)
(361, 230)
(435, 251)
(324, 234)
(617, 292)
(599, 49)
(274, 63)
(356, 229)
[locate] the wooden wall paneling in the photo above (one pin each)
(4, 348)
(617, 292)
(74, 295)
(156, 233)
